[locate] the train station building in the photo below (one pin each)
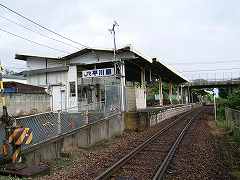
(94, 79)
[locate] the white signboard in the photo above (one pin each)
(98, 73)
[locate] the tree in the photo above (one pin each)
(233, 101)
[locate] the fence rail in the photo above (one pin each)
(233, 121)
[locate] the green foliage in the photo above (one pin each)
(153, 89)
(222, 92)
(221, 104)
(233, 101)
(174, 99)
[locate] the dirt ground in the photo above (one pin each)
(228, 148)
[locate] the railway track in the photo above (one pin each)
(150, 159)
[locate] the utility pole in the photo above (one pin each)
(215, 106)
(112, 31)
(119, 65)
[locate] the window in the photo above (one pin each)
(72, 89)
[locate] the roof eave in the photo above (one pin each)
(24, 57)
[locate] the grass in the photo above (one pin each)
(229, 140)
(236, 174)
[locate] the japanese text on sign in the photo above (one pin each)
(98, 73)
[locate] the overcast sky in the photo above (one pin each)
(200, 32)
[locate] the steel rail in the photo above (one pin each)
(163, 167)
(111, 170)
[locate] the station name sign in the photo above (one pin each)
(98, 73)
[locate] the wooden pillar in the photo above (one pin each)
(160, 92)
(150, 75)
(186, 95)
(143, 76)
(170, 88)
(170, 91)
(178, 94)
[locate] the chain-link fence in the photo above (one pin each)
(233, 121)
(52, 124)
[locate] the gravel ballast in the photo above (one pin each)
(91, 162)
(196, 158)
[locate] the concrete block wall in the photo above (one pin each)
(156, 118)
(131, 99)
(83, 137)
(24, 104)
(136, 98)
(43, 153)
(145, 119)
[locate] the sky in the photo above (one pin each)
(188, 35)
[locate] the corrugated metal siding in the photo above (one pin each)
(37, 80)
(52, 78)
(57, 77)
(35, 63)
(52, 63)
(40, 63)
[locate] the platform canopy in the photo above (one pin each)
(158, 68)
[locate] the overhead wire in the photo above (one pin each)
(40, 44)
(66, 38)
(202, 70)
(41, 26)
(211, 62)
(36, 32)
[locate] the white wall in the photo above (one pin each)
(58, 99)
(136, 98)
(141, 102)
(72, 101)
